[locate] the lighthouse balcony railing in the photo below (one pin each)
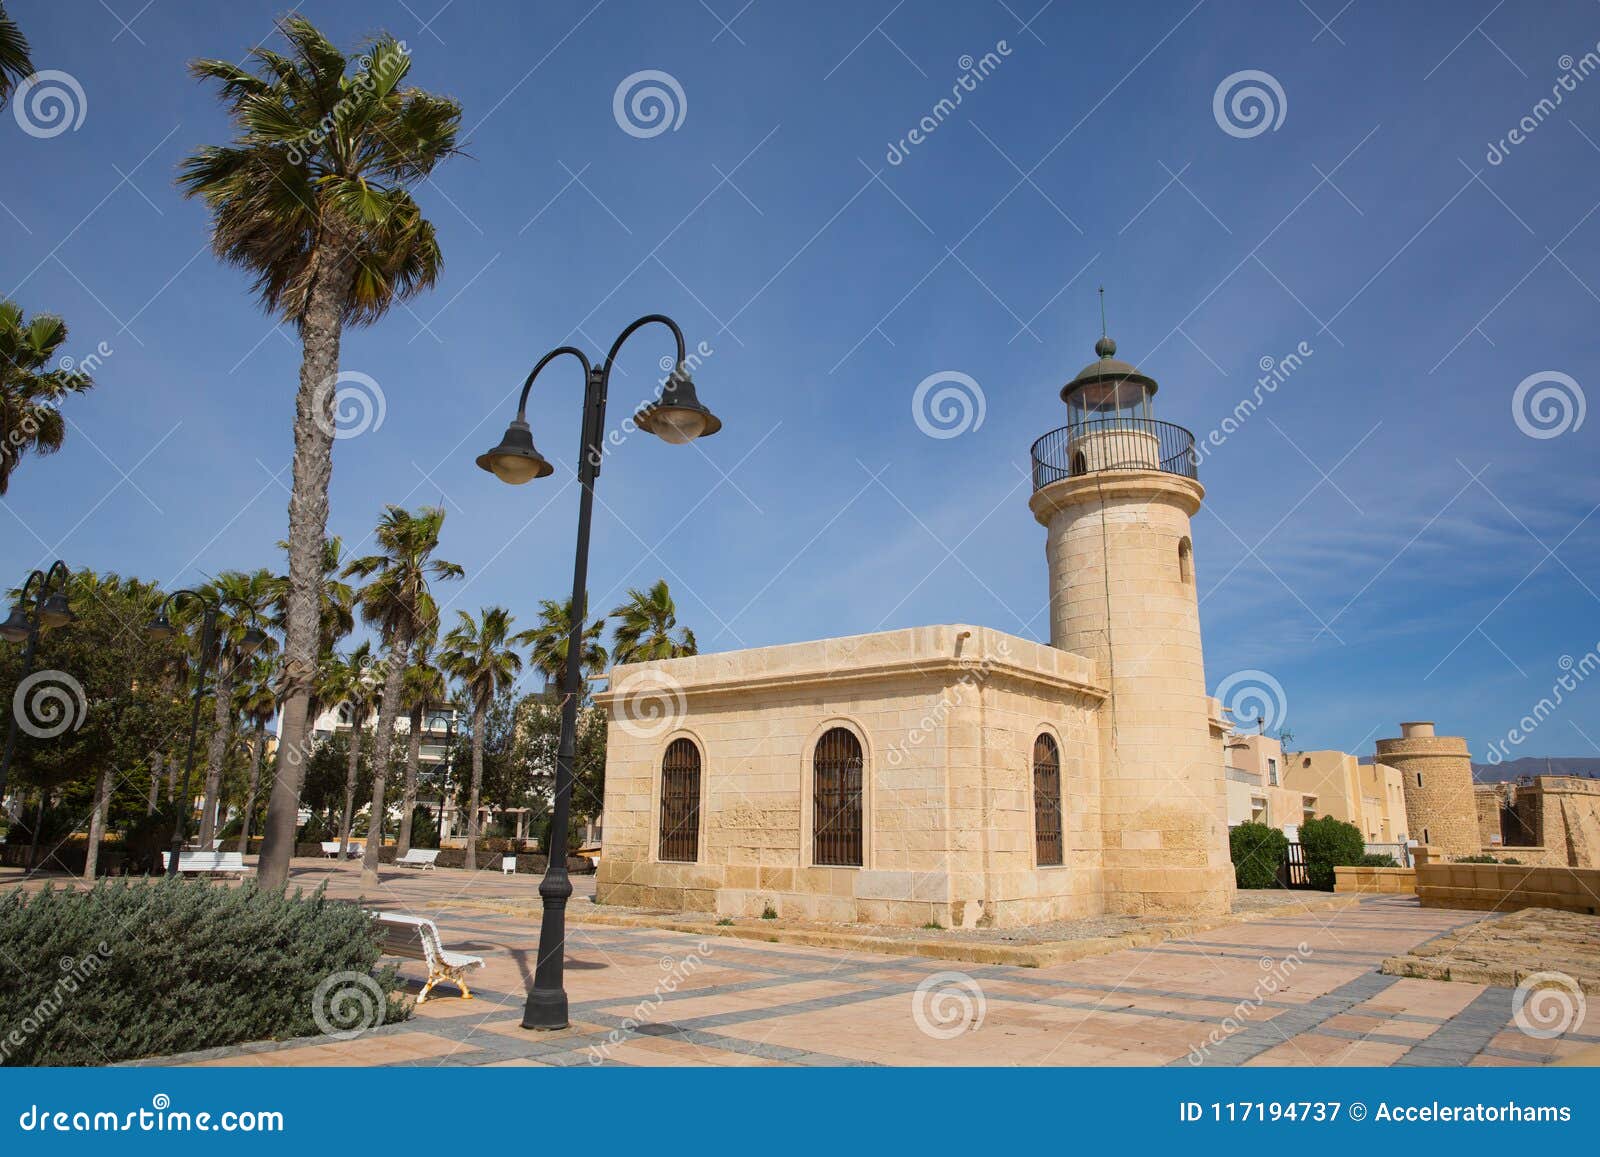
(1120, 443)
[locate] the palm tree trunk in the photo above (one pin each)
(320, 330)
(255, 782)
(413, 762)
(172, 777)
(352, 768)
(382, 748)
(217, 749)
(479, 711)
(155, 783)
(97, 821)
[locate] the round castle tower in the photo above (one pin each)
(1115, 490)
(1436, 776)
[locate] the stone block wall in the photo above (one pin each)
(946, 717)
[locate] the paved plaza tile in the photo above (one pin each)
(1301, 988)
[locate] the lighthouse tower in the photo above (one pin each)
(1115, 490)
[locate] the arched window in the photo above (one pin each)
(1185, 560)
(1047, 801)
(680, 802)
(837, 767)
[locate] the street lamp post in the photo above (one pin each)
(449, 767)
(676, 416)
(161, 628)
(48, 610)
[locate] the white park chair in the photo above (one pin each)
(422, 858)
(417, 938)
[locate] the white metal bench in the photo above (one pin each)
(418, 858)
(330, 848)
(207, 863)
(417, 938)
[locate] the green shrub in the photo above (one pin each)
(1330, 844)
(1485, 858)
(1378, 860)
(151, 968)
(1258, 851)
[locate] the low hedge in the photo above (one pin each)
(154, 967)
(1258, 851)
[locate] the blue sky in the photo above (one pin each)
(1381, 536)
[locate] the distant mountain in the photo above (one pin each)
(1587, 767)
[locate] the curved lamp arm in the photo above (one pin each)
(522, 401)
(647, 319)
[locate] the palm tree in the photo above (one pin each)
(644, 627)
(255, 700)
(550, 637)
(478, 655)
(246, 601)
(349, 680)
(423, 686)
(397, 602)
(15, 63)
(311, 198)
(30, 394)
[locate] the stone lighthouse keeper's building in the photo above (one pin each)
(955, 773)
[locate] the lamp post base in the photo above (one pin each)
(546, 1009)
